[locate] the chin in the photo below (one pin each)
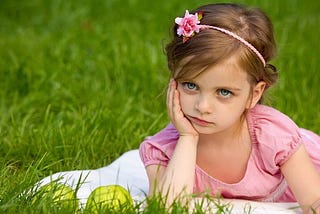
(205, 130)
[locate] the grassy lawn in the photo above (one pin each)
(83, 81)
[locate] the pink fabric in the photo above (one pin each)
(274, 137)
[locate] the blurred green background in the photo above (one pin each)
(81, 81)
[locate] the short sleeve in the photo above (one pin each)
(158, 149)
(274, 134)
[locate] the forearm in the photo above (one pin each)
(178, 178)
(304, 180)
(314, 208)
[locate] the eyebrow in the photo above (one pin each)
(218, 87)
(229, 88)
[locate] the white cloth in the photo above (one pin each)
(128, 171)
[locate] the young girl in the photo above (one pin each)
(221, 139)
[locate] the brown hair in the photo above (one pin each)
(209, 47)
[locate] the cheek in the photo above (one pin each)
(249, 101)
(185, 101)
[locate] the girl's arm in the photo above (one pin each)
(177, 179)
(303, 179)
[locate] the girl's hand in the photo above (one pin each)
(176, 114)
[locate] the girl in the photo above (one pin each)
(221, 138)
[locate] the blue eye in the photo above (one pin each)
(225, 93)
(189, 85)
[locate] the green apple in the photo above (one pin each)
(61, 196)
(112, 198)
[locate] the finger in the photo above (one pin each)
(172, 97)
(170, 94)
(176, 107)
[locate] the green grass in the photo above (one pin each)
(82, 81)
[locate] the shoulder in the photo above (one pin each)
(276, 135)
(164, 138)
(158, 149)
(267, 120)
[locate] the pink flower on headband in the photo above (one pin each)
(188, 25)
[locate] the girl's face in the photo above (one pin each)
(216, 99)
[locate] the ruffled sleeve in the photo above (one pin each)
(158, 149)
(275, 136)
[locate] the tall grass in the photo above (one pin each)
(83, 81)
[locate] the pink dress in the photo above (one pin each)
(274, 138)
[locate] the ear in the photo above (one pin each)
(257, 92)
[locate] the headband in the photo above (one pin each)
(190, 24)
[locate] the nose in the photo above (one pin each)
(203, 105)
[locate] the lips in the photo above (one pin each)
(199, 121)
